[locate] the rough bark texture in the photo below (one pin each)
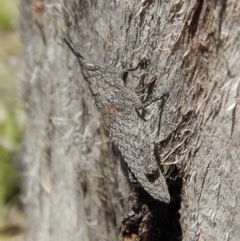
(75, 183)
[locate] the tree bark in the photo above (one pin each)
(76, 187)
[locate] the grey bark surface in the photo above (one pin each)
(75, 183)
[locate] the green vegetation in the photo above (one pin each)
(10, 135)
(12, 118)
(8, 14)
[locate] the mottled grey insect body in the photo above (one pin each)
(130, 133)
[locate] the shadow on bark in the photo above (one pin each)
(152, 220)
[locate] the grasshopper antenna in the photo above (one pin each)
(73, 48)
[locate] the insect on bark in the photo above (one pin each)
(132, 135)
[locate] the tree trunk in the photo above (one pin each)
(76, 184)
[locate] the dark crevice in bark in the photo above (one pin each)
(194, 23)
(223, 4)
(152, 220)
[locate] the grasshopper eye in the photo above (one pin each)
(152, 175)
